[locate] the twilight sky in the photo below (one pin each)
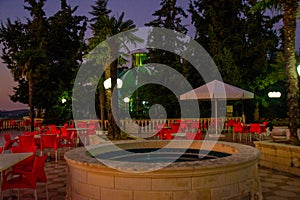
(140, 11)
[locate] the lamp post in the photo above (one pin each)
(126, 101)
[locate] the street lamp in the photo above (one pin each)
(63, 100)
(107, 83)
(274, 94)
(298, 69)
(126, 99)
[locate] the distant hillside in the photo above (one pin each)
(14, 113)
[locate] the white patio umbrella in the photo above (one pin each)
(217, 90)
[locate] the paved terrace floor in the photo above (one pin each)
(275, 185)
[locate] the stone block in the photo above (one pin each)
(150, 195)
(271, 158)
(100, 180)
(76, 196)
(268, 151)
(78, 174)
(283, 153)
(245, 185)
(132, 183)
(283, 161)
(238, 176)
(225, 192)
(192, 195)
(171, 184)
(88, 190)
(113, 194)
(208, 181)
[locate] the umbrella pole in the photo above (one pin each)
(216, 116)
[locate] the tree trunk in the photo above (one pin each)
(102, 106)
(108, 103)
(114, 100)
(289, 21)
(30, 102)
(256, 112)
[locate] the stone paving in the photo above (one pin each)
(276, 185)
(56, 175)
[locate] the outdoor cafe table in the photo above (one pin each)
(8, 160)
(180, 135)
(78, 130)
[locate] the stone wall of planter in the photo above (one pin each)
(279, 156)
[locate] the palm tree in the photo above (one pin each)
(108, 27)
(112, 27)
(290, 10)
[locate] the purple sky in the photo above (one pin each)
(140, 11)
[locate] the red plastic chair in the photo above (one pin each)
(8, 142)
(26, 144)
(167, 135)
(49, 141)
(183, 126)
(81, 124)
(230, 124)
(255, 129)
(195, 127)
(194, 135)
(159, 129)
(13, 124)
(239, 128)
(174, 127)
(53, 129)
(66, 138)
(23, 179)
(264, 127)
(26, 164)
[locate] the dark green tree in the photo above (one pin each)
(289, 9)
(169, 16)
(65, 49)
(24, 49)
(40, 53)
(241, 43)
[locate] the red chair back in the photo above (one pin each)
(8, 142)
(237, 127)
(174, 127)
(255, 128)
(48, 141)
(7, 137)
(26, 144)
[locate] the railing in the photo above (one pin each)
(148, 126)
(143, 125)
(6, 124)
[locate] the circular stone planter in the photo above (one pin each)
(230, 177)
